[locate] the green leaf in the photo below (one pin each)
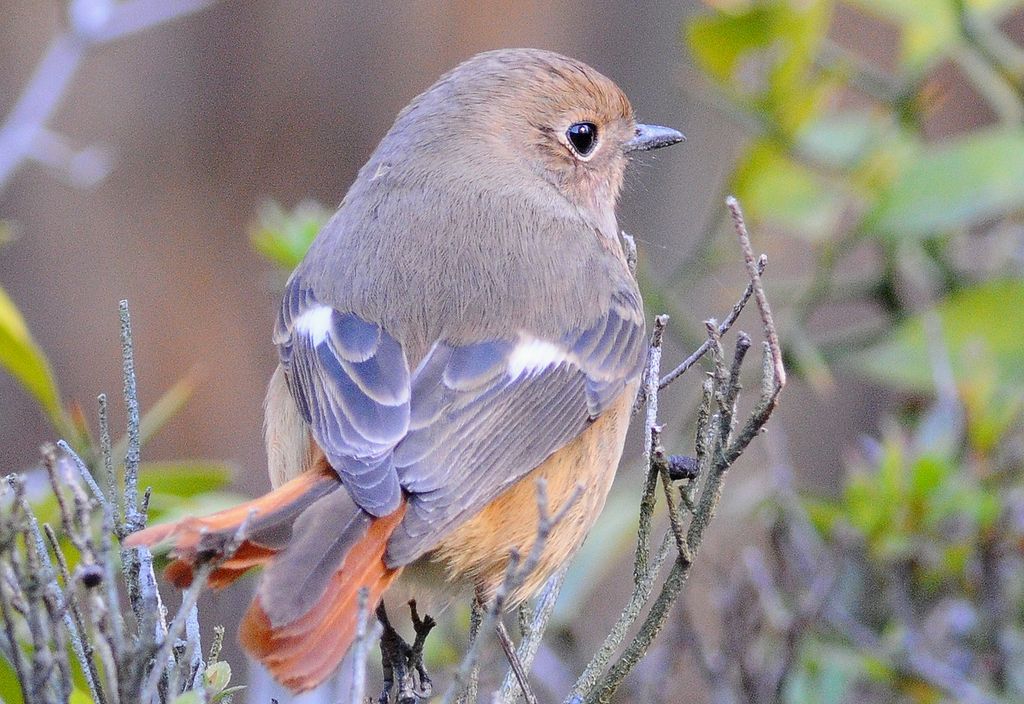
(284, 237)
(927, 473)
(990, 415)
(824, 515)
(765, 54)
(773, 187)
(24, 361)
(184, 478)
(954, 185)
(166, 508)
(930, 28)
(227, 694)
(157, 415)
(10, 690)
(986, 319)
(720, 41)
(217, 677)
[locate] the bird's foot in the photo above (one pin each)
(404, 672)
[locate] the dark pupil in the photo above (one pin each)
(582, 135)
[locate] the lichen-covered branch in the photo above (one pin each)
(50, 606)
(716, 448)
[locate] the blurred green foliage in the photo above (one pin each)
(839, 154)
(21, 357)
(282, 237)
(911, 208)
(978, 327)
(927, 537)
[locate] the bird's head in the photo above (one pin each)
(520, 112)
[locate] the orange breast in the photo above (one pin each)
(478, 550)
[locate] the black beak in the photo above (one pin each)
(650, 137)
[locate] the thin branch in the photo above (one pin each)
(107, 453)
(24, 131)
(361, 647)
(189, 597)
(9, 589)
(754, 272)
(518, 669)
(649, 394)
(137, 563)
(516, 572)
(133, 520)
(659, 460)
(762, 263)
(715, 449)
(530, 643)
(644, 570)
(87, 477)
(75, 624)
(71, 617)
(151, 664)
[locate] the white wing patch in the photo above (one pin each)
(532, 355)
(315, 322)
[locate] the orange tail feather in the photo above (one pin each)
(197, 539)
(303, 650)
(303, 653)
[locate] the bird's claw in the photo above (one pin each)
(404, 671)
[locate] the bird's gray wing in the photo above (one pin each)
(470, 421)
(351, 383)
(485, 414)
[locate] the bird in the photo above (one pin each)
(464, 325)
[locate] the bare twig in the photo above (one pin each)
(81, 644)
(189, 597)
(753, 271)
(723, 328)
(24, 134)
(133, 520)
(468, 694)
(532, 638)
(649, 393)
(716, 449)
(85, 614)
(10, 590)
(364, 637)
(518, 669)
(516, 573)
(644, 569)
(137, 563)
(87, 477)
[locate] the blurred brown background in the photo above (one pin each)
(211, 114)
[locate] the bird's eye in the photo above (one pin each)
(582, 136)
